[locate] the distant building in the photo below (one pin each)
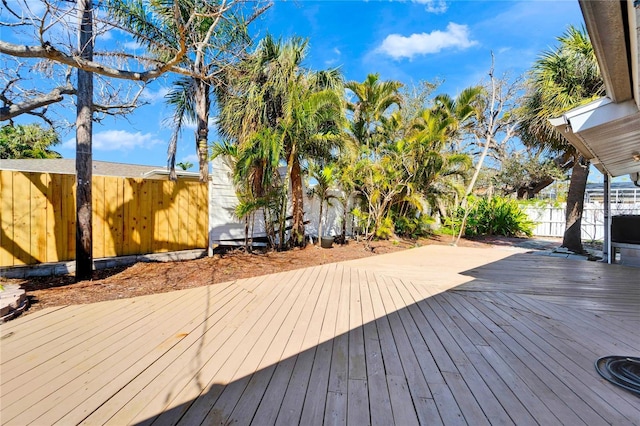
(100, 168)
(621, 193)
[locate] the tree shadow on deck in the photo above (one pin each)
(464, 355)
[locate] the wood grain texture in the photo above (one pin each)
(130, 216)
(435, 335)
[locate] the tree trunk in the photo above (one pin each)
(202, 133)
(572, 239)
(84, 128)
(344, 220)
(320, 219)
(297, 207)
(246, 232)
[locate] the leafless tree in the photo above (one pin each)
(53, 38)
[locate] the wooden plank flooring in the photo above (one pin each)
(435, 335)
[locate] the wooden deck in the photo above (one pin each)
(435, 335)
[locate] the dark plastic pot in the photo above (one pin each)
(326, 242)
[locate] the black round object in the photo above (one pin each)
(623, 371)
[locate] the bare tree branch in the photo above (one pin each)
(121, 109)
(47, 51)
(55, 95)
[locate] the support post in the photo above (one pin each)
(606, 244)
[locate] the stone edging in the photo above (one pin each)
(63, 268)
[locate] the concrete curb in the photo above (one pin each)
(63, 268)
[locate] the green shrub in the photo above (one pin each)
(385, 229)
(413, 227)
(495, 216)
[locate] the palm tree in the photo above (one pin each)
(373, 98)
(561, 79)
(271, 90)
(326, 180)
(458, 113)
(311, 129)
(257, 180)
(185, 165)
(190, 96)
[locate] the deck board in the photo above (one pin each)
(435, 335)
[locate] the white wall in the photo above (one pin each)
(333, 216)
(224, 226)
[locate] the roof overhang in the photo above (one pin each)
(614, 33)
(607, 131)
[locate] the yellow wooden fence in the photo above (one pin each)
(130, 216)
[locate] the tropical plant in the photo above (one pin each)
(258, 182)
(411, 164)
(562, 78)
(302, 109)
(373, 99)
(28, 141)
(459, 114)
(326, 179)
(185, 165)
(495, 216)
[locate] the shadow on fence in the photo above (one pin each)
(130, 216)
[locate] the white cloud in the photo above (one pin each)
(119, 140)
(131, 45)
(331, 61)
(433, 6)
(154, 96)
(398, 46)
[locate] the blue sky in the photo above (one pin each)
(407, 41)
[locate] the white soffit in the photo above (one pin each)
(608, 133)
(605, 23)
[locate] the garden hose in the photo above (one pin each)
(623, 371)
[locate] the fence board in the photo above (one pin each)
(144, 215)
(38, 219)
(192, 217)
(128, 230)
(21, 219)
(97, 200)
(202, 220)
(119, 225)
(160, 230)
(183, 212)
(69, 215)
(130, 216)
(59, 245)
(6, 219)
(110, 219)
(173, 216)
(50, 239)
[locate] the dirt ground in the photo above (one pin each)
(149, 278)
